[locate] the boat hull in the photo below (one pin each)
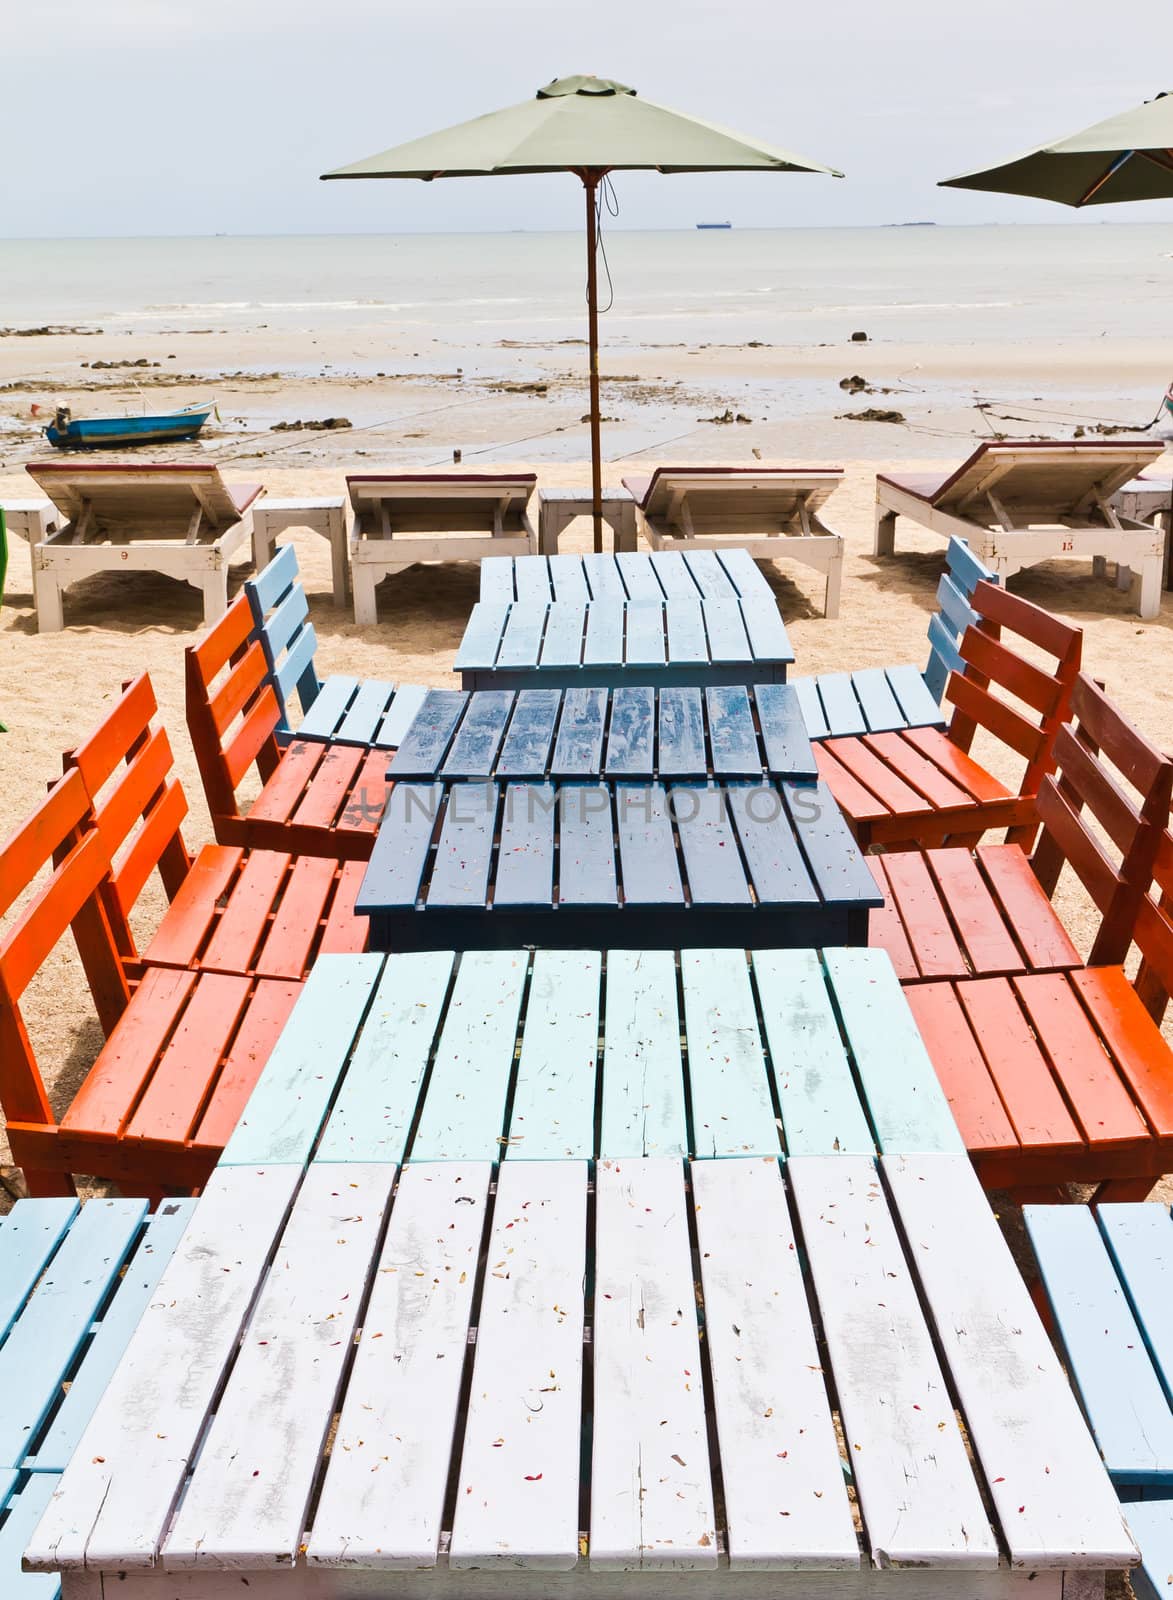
(102, 433)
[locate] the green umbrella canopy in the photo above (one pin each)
(1126, 157)
(588, 126)
(578, 124)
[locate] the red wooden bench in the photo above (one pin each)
(181, 1056)
(264, 913)
(315, 798)
(1062, 1076)
(920, 786)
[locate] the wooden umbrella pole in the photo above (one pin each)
(590, 181)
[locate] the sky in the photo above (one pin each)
(137, 117)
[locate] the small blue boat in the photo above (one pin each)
(97, 433)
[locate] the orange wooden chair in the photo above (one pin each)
(920, 786)
(1062, 1076)
(181, 1056)
(263, 913)
(316, 798)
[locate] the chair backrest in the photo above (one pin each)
(159, 499)
(232, 711)
(137, 803)
(1034, 703)
(963, 572)
(1043, 480)
(280, 615)
(54, 837)
(1154, 934)
(1104, 811)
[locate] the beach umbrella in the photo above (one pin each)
(1126, 157)
(590, 127)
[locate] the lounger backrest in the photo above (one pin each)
(1103, 812)
(963, 572)
(1042, 481)
(232, 712)
(55, 841)
(280, 613)
(157, 500)
(731, 500)
(1020, 703)
(138, 805)
(442, 502)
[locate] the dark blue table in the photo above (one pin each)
(635, 816)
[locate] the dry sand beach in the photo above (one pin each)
(972, 333)
(58, 685)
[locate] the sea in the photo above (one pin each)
(786, 287)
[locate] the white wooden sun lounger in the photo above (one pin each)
(1018, 502)
(773, 512)
(180, 519)
(404, 517)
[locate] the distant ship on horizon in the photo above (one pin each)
(714, 224)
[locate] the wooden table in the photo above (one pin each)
(511, 1054)
(588, 816)
(571, 621)
(558, 508)
(529, 1399)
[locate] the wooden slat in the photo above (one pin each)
(687, 641)
(531, 579)
(786, 1502)
(521, 642)
(463, 858)
(822, 1113)
(463, 1116)
(639, 576)
(285, 1110)
(843, 712)
(383, 1497)
(651, 1488)
(473, 752)
(525, 857)
(836, 864)
(647, 849)
(784, 734)
(518, 1495)
(579, 746)
(400, 715)
(813, 714)
(1140, 1239)
(553, 1115)
(586, 847)
(916, 1489)
(568, 579)
(20, 1514)
(631, 735)
(328, 709)
(119, 1488)
(364, 715)
(731, 732)
(526, 750)
(681, 734)
(401, 847)
(562, 641)
(915, 698)
(643, 1110)
(726, 630)
(246, 1504)
(877, 702)
(1050, 1492)
(777, 866)
(603, 646)
(1106, 1351)
(732, 1109)
(29, 1234)
(708, 846)
(427, 739)
(497, 583)
(767, 634)
(482, 633)
(1036, 924)
(644, 641)
(375, 1109)
(161, 1234)
(907, 1108)
(43, 1342)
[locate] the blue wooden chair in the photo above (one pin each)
(1108, 1276)
(886, 699)
(339, 709)
(74, 1280)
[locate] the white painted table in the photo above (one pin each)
(558, 508)
(867, 1405)
(327, 517)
